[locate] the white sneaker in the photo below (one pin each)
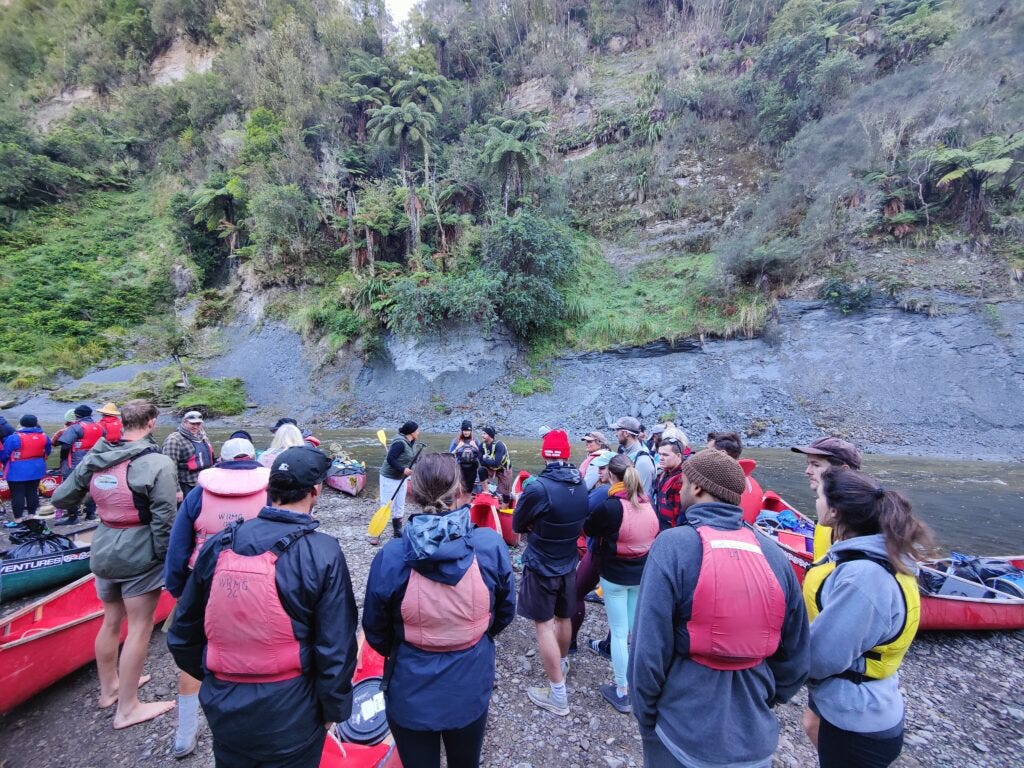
(541, 696)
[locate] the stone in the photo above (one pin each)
(646, 410)
(613, 762)
(634, 409)
(531, 653)
(981, 746)
(7, 404)
(1016, 714)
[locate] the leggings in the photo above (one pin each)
(422, 749)
(847, 749)
(24, 492)
(587, 575)
(620, 604)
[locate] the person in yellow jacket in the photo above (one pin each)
(864, 606)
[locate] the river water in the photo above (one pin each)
(973, 506)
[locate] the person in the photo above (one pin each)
(655, 440)
(467, 453)
(669, 483)
(268, 622)
(623, 527)
(435, 600)
(551, 510)
(720, 634)
(282, 421)
(864, 606)
(75, 441)
(821, 454)
(6, 430)
(235, 489)
(134, 488)
(396, 467)
(595, 443)
(111, 422)
(286, 436)
(752, 500)
(495, 458)
(23, 456)
(191, 451)
(627, 431)
(588, 570)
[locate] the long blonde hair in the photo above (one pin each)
(286, 436)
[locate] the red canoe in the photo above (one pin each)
(51, 638)
(938, 612)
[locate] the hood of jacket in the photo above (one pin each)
(438, 546)
(563, 472)
(717, 514)
(873, 544)
(104, 454)
(29, 430)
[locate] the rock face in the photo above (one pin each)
(179, 61)
(457, 349)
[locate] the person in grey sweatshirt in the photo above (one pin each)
(704, 704)
(864, 605)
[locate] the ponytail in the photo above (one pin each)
(862, 507)
(435, 483)
(622, 469)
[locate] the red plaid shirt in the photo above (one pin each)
(667, 498)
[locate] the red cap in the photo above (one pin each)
(555, 445)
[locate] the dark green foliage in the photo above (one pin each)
(422, 303)
(848, 298)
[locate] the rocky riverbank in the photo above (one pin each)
(962, 691)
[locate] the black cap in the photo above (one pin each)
(466, 424)
(83, 410)
(301, 467)
(408, 428)
(28, 420)
(491, 431)
(240, 433)
(281, 422)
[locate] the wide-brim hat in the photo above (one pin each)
(109, 409)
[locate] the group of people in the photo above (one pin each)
(709, 628)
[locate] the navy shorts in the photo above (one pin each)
(542, 598)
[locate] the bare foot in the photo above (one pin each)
(106, 702)
(141, 712)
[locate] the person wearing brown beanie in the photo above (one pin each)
(721, 631)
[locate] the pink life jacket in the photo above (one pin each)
(638, 529)
(443, 617)
(586, 462)
(228, 495)
(752, 500)
(116, 503)
(738, 603)
(250, 638)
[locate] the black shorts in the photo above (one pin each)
(542, 598)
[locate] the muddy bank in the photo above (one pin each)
(962, 691)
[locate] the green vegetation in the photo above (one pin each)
(524, 386)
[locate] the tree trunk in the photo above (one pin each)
(361, 125)
(412, 239)
(369, 250)
(350, 214)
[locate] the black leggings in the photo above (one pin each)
(422, 749)
(24, 493)
(847, 749)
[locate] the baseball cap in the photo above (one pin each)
(657, 429)
(603, 459)
(236, 448)
(627, 423)
(833, 447)
(597, 437)
(301, 467)
(193, 417)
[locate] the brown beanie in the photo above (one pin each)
(717, 473)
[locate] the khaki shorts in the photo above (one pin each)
(116, 590)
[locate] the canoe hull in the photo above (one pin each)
(349, 484)
(51, 638)
(33, 574)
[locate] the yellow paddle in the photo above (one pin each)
(382, 437)
(380, 518)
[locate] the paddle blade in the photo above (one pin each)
(379, 520)
(382, 436)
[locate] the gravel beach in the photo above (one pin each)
(965, 705)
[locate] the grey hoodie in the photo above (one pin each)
(121, 553)
(862, 607)
(706, 716)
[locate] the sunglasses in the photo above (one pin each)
(673, 441)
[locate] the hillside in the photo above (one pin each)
(584, 174)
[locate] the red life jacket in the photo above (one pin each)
(116, 503)
(738, 603)
(228, 495)
(202, 456)
(443, 617)
(91, 434)
(33, 446)
(638, 529)
(113, 426)
(752, 500)
(250, 636)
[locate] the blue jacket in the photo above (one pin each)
(552, 510)
(183, 533)
(27, 469)
(266, 721)
(704, 715)
(431, 691)
(6, 430)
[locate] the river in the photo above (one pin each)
(973, 506)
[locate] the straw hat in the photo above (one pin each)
(109, 410)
